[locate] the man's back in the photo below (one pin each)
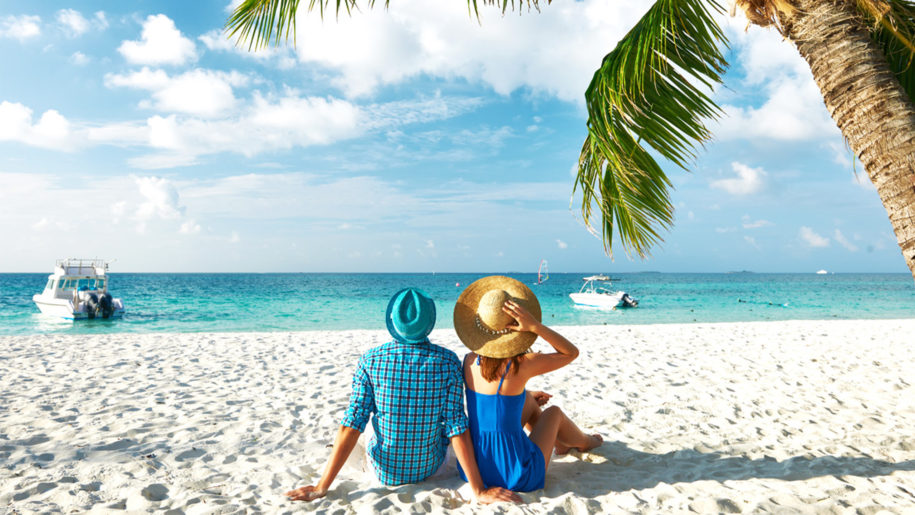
(415, 392)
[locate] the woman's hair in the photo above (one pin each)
(492, 368)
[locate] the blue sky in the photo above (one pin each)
(413, 139)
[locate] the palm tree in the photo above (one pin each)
(650, 93)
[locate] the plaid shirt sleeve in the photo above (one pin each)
(455, 420)
(361, 401)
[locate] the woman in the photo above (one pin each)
(498, 318)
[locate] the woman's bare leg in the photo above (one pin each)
(554, 427)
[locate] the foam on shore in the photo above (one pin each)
(738, 417)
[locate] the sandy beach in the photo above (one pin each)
(788, 417)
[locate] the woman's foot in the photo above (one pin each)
(594, 441)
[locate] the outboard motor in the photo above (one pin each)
(105, 305)
(92, 305)
(629, 302)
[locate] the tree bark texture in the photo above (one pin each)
(866, 101)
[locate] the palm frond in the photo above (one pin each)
(648, 90)
(893, 30)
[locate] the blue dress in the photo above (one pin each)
(506, 456)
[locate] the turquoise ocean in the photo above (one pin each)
(303, 301)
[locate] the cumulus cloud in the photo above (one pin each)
(189, 227)
(20, 27)
(749, 223)
(51, 130)
(561, 244)
(378, 46)
(811, 238)
(198, 92)
(793, 109)
(79, 59)
(160, 199)
(851, 247)
(160, 43)
(72, 22)
(748, 181)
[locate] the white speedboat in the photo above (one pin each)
(596, 293)
(78, 289)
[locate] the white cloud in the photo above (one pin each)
(378, 46)
(723, 230)
(79, 59)
(160, 199)
(20, 27)
(101, 21)
(189, 227)
(161, 43)
(861, 179)
(51, 131)
(198, 92)
(749, 223)
(430, 244)
(851, 247)
(811, 238)
(793, 109)
(72, 22)
(234, 237)
(216, 40)
(748, 181)
(752, 242)
(561, 244)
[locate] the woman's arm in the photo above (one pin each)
(463, 451)
(537, 364)
(343, 447)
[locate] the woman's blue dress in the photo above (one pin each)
(505, 455)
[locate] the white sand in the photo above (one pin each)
(781, 416)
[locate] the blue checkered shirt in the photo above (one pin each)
(416, 394)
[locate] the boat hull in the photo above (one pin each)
(63, 308)
(598, 300)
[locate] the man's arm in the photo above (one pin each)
(343, 447)
(463, 449)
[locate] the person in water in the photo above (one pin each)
(412, 391)
(498, 318)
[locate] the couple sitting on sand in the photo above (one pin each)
(414, 392)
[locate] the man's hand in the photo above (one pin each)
(541, 397)
(496, 494)
(306, 493)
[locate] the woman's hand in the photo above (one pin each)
(524, 321)
(541, 397)
(306, 493)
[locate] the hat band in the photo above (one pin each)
(482, 327)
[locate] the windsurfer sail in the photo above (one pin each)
(543, 273)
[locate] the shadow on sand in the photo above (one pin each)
(629, 469)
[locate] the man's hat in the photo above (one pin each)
(410, 316)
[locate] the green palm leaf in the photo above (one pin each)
(648, 90)
(893, 31)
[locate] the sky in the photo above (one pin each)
(413, 139)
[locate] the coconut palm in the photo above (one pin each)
(650, 93)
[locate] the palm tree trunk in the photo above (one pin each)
(866, 101)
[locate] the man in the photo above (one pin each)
(413, 392)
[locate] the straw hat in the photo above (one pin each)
(481, 324)
(410, 316)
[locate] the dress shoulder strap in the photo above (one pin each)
(507, 366)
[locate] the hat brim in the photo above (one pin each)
(482, 342)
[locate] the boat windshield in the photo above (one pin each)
(81, 284)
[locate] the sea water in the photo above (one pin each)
(303, 301)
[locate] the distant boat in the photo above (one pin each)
(822, 272)
(543, 273)
(592, 295)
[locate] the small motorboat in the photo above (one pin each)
(597, 293)
(78, 289)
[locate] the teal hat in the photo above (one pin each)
(410, 316)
